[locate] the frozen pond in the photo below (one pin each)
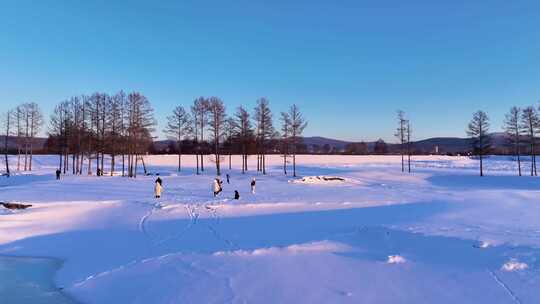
(29, 280)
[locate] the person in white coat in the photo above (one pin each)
(216, 187)
(158, 188)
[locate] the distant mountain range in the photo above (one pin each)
(440, 145)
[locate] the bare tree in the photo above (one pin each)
(7, 134)
(401, 136)
(530, 123)
(35, 125)
(285, 138)
(217, 117)
(19, 114)
(408, 134)
(478, 131)
(229, 135)
(178, 127)
(514, 130)
(297, 126)
(26, 129)
(58, 130)
(199, 112)
(140, 126)
(244, 133)
(265, 131)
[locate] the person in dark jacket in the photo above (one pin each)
(253, 186)
(236, 195)
(228, 182)
(58, 172)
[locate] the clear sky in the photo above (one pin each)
(349, 65)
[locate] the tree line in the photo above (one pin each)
(521, 126)
(84, 130)
(23, 123)
(241, 133)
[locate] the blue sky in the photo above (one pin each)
(349, 65)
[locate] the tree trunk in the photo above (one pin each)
(26, 155)
(518, 152)
(294, 164)
(18, 156)
(144, 165)
(481, 165)
(532, 159)
(285, 163)
(179, 157)
(61, 155)
(136, 164)
(31, 156)
(243, 158)
(197, 157)
(202, 162)
(102, 158)
(264, 163)
(66, 162)
(113, 163)
(6, 144)
(98, 171)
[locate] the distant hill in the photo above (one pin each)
(442, 144)
(321, 141)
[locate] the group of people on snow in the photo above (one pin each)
(217, 187)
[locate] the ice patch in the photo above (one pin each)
(514, 265)
(314, 247)
(395, 259)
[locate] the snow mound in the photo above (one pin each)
(395, 259)
(514, 265)
(482, 245)
(314, 247)
(485, 244)
(320, 179)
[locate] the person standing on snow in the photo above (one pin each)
(158, 189)
(216, 187)
(58, 172)
(236, 195)
(253, 186)
(228, 182)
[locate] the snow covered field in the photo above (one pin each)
(349, 229)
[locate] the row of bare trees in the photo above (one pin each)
(521, 126)
(240, 129)
(23, 123)
(87, 128)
